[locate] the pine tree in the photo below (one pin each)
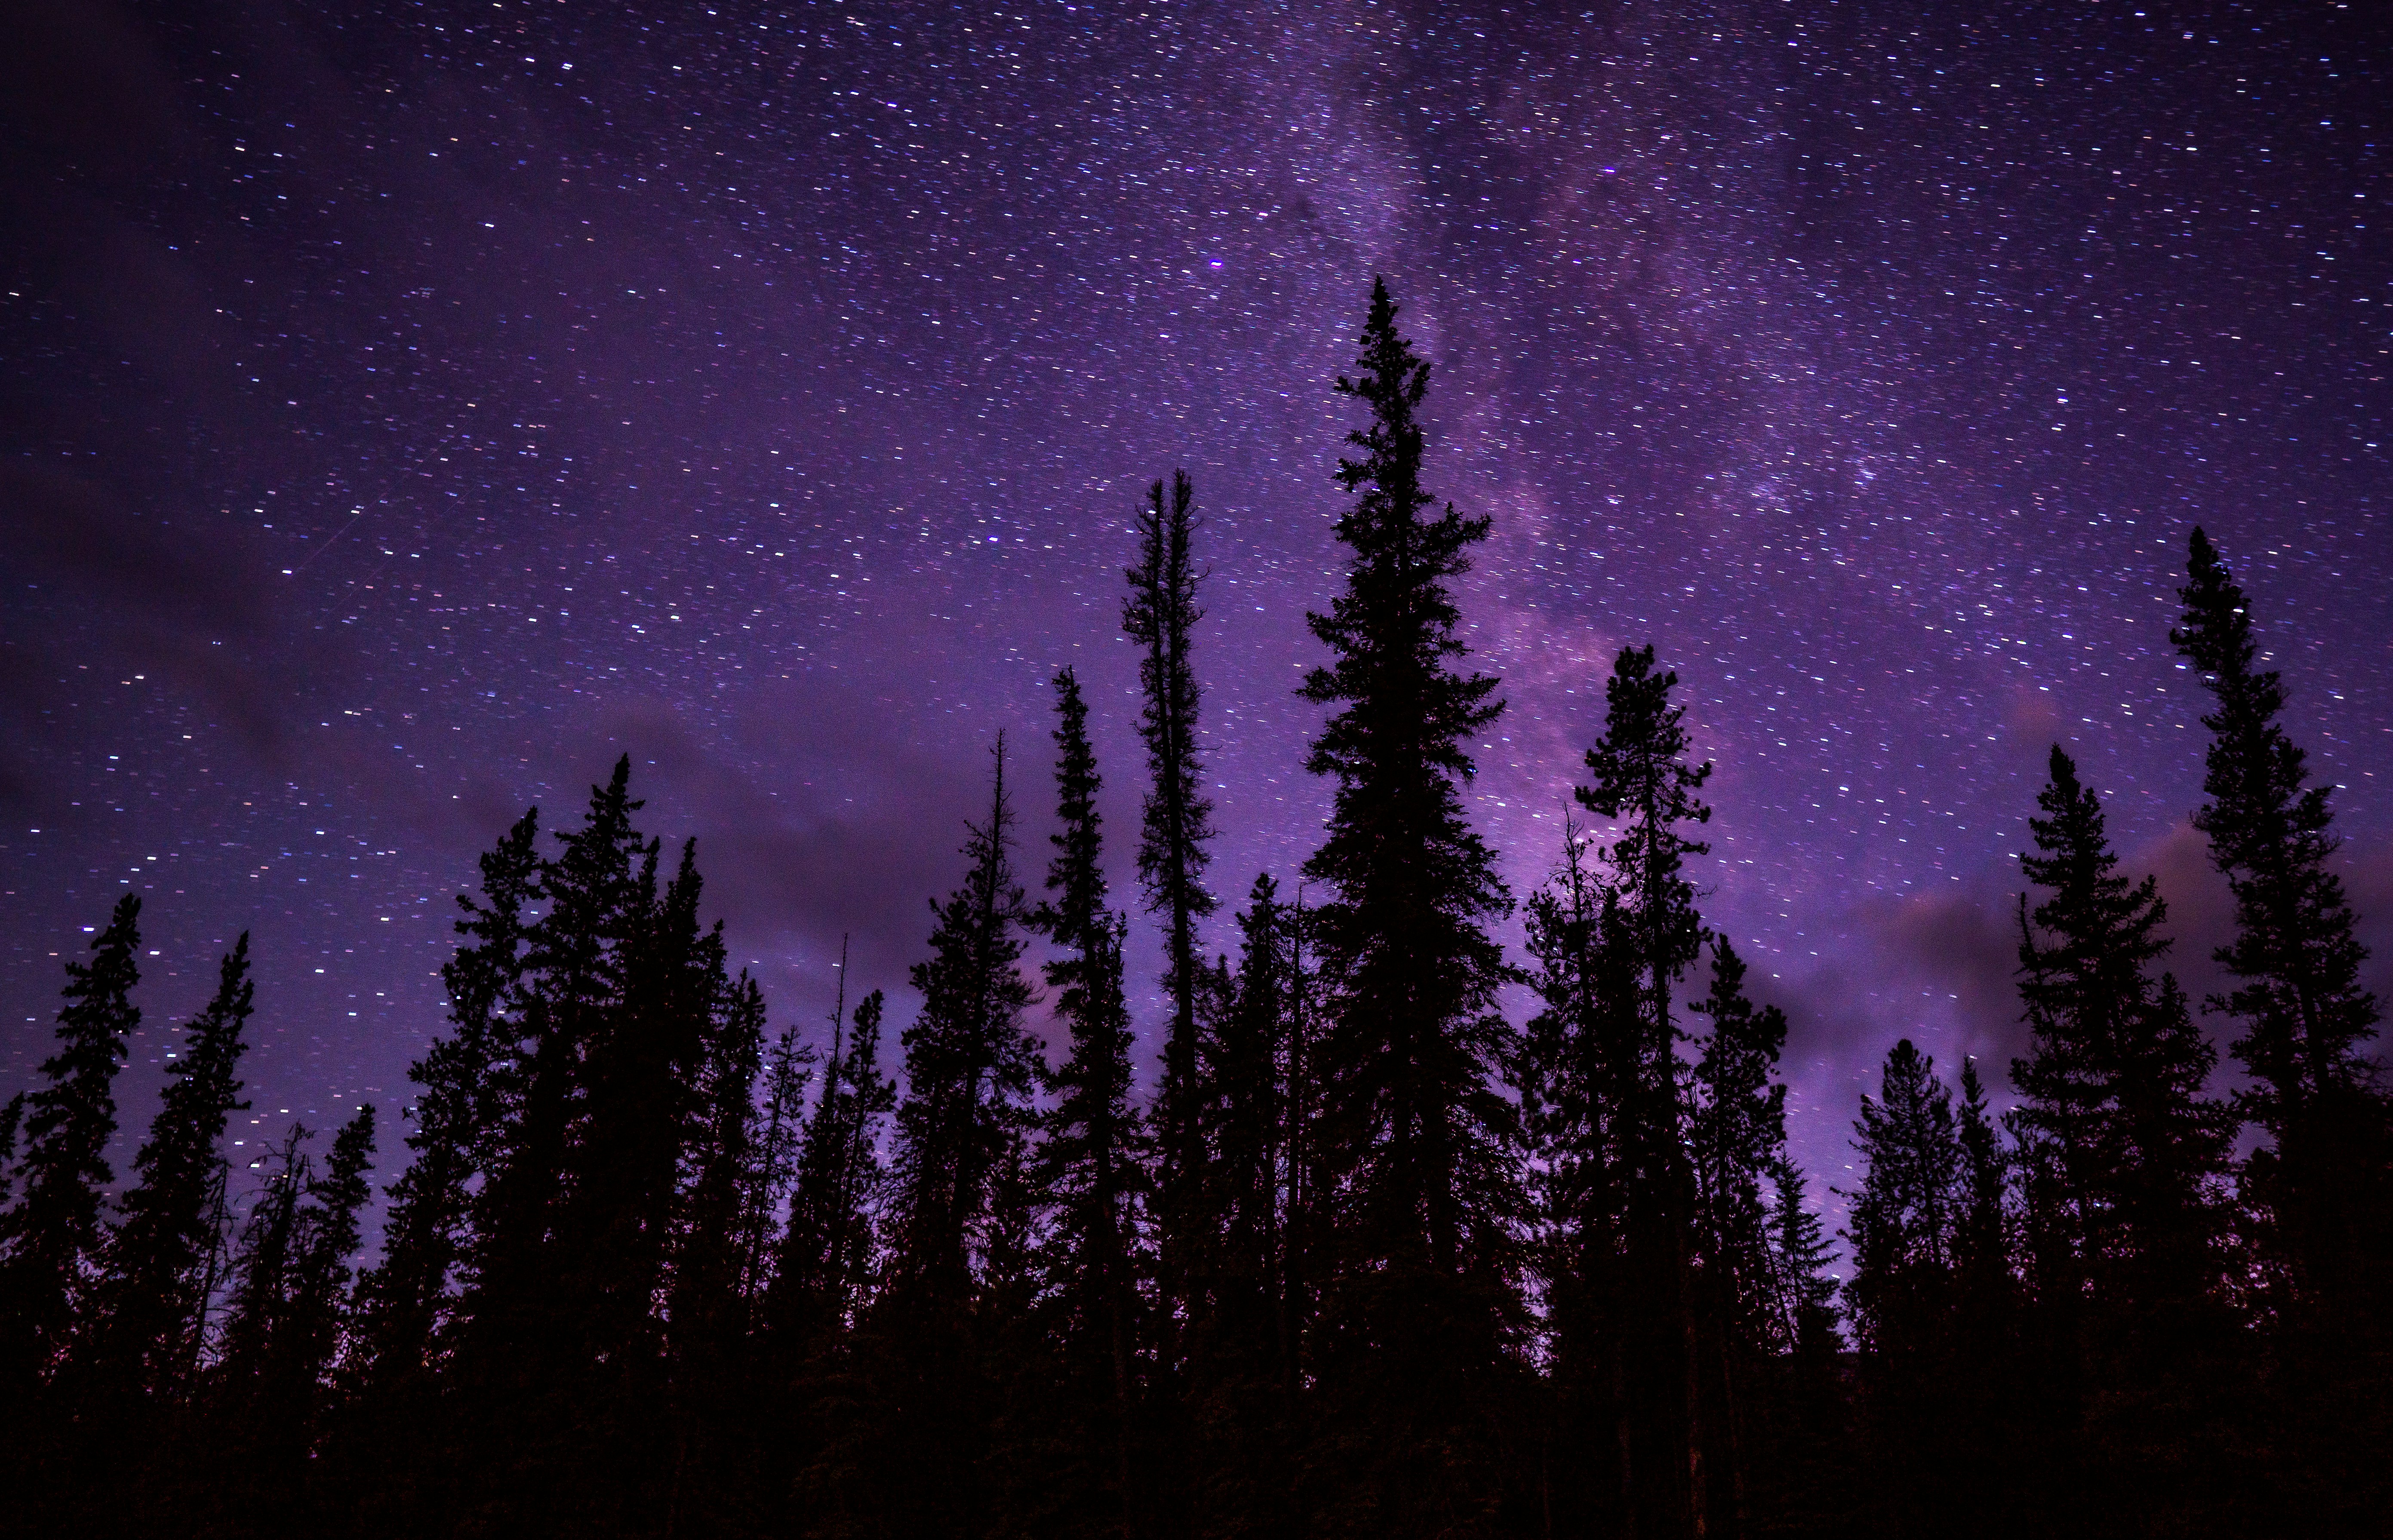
(1643, 782)
(554, 1360)
(1982, 1242)
(50, 1239)
(1242, 1119)
(250, 1465)
(1739, 1127)
(961, 1214)
(970, 1066)
(708, 1310)
(710, 1378)
(1581, 1083)
(1416, 1142)
(780, 1134)
(1902, 1296)
(600, 890)
(2298, 998)
(1801, 1254)
(1088, 1166)
(144, 1333)
(639, 1078)
(1158, 614)
(291, 1293)
(1903, 1217)
(1243, 1333)
(405, 1299)
(826, 1251)
(2113, 1082)
(2324, 1188)
(333, 1230)
(257, 1317)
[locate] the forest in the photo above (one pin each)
(1373, 1259)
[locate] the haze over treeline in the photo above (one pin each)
(1374, 1257)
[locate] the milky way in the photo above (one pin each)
(408, 411)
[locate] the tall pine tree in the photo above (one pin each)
(1158, 614)
(1417, 1143)
(2322, 1188)
(1088, 1164)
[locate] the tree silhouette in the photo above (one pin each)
(143, 1333)
(1641, 779)
(50, 1241)
(1177, 826)
(1415, 1142)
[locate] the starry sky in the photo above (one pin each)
(405, 409)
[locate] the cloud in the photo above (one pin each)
(93, 582)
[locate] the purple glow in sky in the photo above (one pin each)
(410, 407)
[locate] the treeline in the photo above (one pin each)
(1372, 1260)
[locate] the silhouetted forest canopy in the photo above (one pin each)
(1374, 1258)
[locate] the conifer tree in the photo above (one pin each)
(1801, 1254)
(1739, 1127)
(264, 1263)
(639, 1078)
(404, 1300)
(1243, 1115)
(962, 1217)
(1903, 1217)
(1158, 614)
(2324, 1186)
(290, 1314)
(826, 1251)
(970, 1066)
(333, 1231)
(1982, 1243)
(1902, 1295)
(2298, 995)
(291, 1292)
(1642, 780)
(49, 1240)
(781, 1130)
(600, 891)
(2114, 1078)
(709, 1313)
(1416, 1142)
(1243, 1332)
(1580, 1078)
(144, 1333)
(1088, 1164)
(556, 1362)
(710, 1248)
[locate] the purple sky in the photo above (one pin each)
(402, 414)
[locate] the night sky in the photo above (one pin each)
(406, 409)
